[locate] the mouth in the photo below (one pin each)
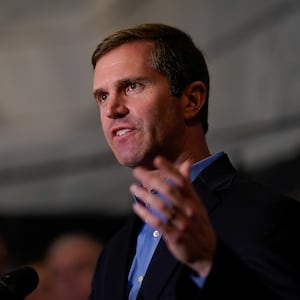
(121, 132)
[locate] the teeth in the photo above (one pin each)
(122, 132)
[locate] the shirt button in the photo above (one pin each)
(140, 278)
(156, 233)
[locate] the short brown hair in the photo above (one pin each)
(175, 55)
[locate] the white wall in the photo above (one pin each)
(49, 121)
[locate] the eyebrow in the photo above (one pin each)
(97, 92)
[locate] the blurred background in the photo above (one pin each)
(56, 172)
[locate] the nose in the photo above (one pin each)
(116, 107)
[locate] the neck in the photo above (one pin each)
(195, 147)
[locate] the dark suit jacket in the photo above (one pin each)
(257, 253)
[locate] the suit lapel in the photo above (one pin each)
(217, 177)
(162, 265)
(219, 174)
(121, 261)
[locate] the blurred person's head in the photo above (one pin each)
(71, 259)
(44, 288)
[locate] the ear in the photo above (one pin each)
(193, 98)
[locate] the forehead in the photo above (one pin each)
(131, 53)
(133, 59)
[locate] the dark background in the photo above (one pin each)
(29, 235)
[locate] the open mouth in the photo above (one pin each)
(123, 131)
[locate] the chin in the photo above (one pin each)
(134, 159)
(129, 164)
(126, 162)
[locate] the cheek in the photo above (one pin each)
(170, 123)
(166, 115)
(102, 120)
(104, 127)
(101, 116)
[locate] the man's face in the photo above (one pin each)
(71, 262)
(139, 116)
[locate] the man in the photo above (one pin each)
(200, 231)
(44, 288)
(71, 260)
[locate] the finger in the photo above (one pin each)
(172, 215)
(157, 206)
(168, 229)
(162, 186)
(178, 175)
(166, 219)
(148, 217)
(185, 169)
(180, 178)
(173, 195)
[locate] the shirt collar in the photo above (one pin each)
(199, 166)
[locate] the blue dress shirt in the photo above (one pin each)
(148, 239)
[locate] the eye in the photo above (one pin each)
(101, 97)
(132, 87)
